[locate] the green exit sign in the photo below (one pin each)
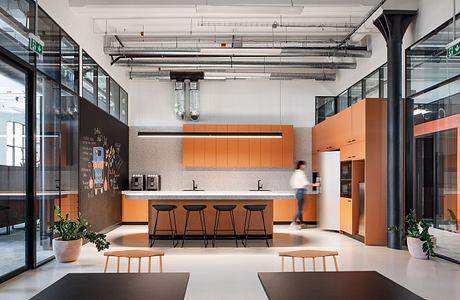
(453, 48)
(36, 44)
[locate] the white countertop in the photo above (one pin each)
(208, 195)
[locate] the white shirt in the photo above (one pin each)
(298, 179)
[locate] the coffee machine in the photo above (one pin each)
(153, 182)
(137, 182)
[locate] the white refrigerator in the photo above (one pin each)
(329, 192)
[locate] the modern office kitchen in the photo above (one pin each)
(229, 150)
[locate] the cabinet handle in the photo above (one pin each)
(353, 140)
(349, 200)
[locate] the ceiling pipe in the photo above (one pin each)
(367, 17)
(146, 52)
(165, 75)
(240, 64)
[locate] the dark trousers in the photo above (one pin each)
(299, 197)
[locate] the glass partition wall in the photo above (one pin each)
(432, 82)
(39, 145)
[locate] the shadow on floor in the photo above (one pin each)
(142, 240)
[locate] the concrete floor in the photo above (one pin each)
(226, 272)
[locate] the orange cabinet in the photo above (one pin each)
(199, 147)
(277, 149)
(238, 152)
(346, 215)
(210, 150)
(134, 210)
(355, 151)
(283, 210)
(288, 146)
(254, 149)
(358, 122)
(265, 148)
(315, 162)
(232, 150)
(221, 148)
(243, 148)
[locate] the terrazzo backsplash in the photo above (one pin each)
(164, 156)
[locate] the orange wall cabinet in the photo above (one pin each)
(221, 148)
(359, 132)
(238, 152)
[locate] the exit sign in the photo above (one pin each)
(36, 44)
(453, 48)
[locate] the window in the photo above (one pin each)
(356, 92)
(89, 78)
(48, 31)
(69, 63)
(16, 21)
(114, 99)
(123, 106)
(342, 101)
(102, 89)
(372, 85)
(15, 144)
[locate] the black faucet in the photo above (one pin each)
(259, 185)
(194, 185)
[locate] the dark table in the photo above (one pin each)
(366, 285)
(114, 286)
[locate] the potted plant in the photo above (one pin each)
(70, 235)
(419, 241)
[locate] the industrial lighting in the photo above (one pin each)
(196, 134)
(244, 9)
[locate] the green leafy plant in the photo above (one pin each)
(69, 230)
(416, 229)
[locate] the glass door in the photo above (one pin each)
(47, 145)
(436, 189)
(13, 103)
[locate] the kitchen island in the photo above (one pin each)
(137, 205)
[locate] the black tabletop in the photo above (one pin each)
(333, 285)
(114, 286)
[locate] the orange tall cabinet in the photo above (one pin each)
(359, 133)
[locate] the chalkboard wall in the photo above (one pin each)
(104, 157)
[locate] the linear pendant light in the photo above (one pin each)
(196, 134)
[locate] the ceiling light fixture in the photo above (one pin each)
(246, 9)
(196, 134)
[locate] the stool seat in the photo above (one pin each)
(134, 253)
(224, 207)
(255, 207)
(129, 254)
(194, 207)
(303, 254)
(164, 207)
(308, 253)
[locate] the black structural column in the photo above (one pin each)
(393, 24)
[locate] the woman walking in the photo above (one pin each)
(299, 182)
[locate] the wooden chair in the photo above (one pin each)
(139, 254)
(309, 254)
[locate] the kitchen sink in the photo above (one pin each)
(193, 190)
(260, 190)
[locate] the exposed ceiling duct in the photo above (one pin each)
(213, 75)
(280, 40)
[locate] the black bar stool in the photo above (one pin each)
(224, 208)
(247, 221)
(165, 208)
(199, 208)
